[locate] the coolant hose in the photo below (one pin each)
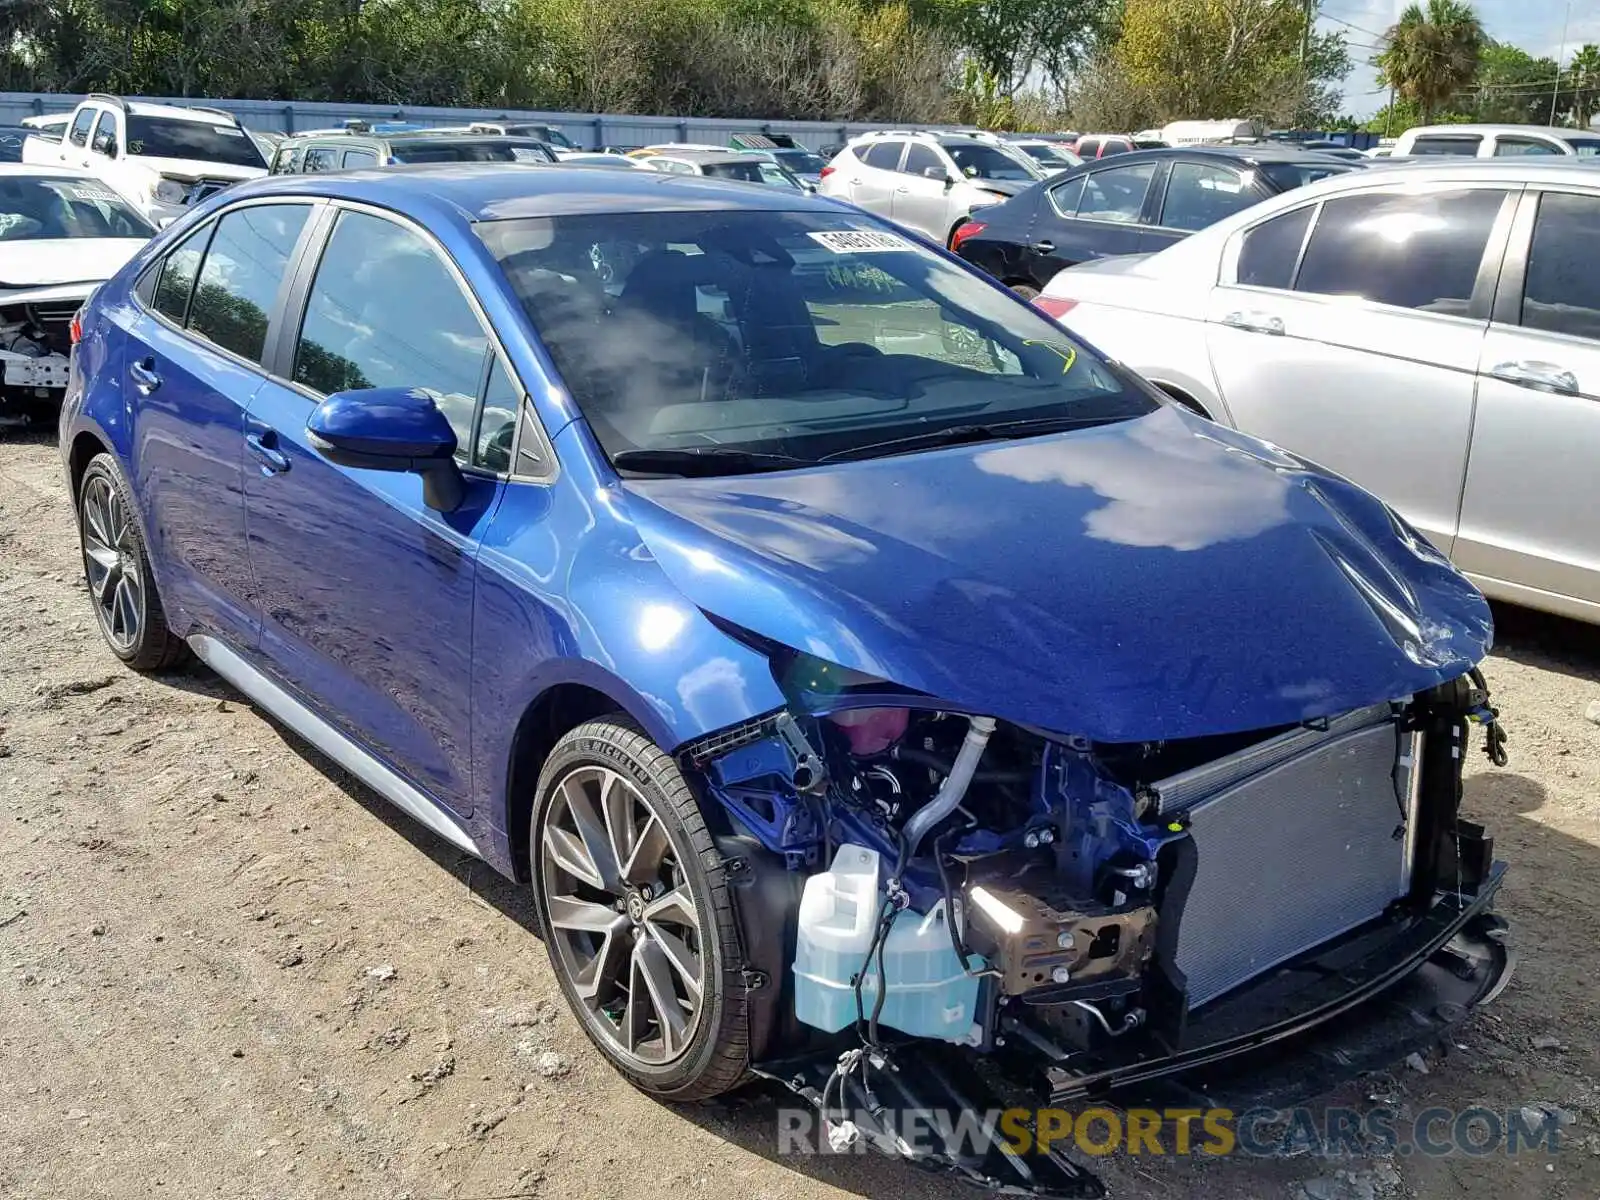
(954, 787)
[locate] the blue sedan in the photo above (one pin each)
(850, 661)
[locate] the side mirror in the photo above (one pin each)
(105, 143)
(391, 429)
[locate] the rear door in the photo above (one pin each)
(367, 592)
(193, 366)
(873, 178)
(1349, 331)
(1096, 215)
(1530, 516)
(1197, 194)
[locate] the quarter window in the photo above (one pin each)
(80, 126)
(1562, 292)
(1416, 251)
(1268, 255)
(497, 427)
(1199, 194)
(1117, 194)
(243, 269)
(1068, 196)
(385, 311)
(177, 276)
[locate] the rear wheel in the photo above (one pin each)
(636, 912)
(122, 589)
(1025, 290)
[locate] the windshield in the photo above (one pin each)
(1289, 175)
(792, 334)
(752, 170)
(801, 162)
(976, 160)
(1050, 157)
(167, 137)
(509, 150)
(38, 209)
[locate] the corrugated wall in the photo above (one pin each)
(585, 129)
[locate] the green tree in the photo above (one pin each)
(1512, 86)
(1583, 74)
(1432, 53)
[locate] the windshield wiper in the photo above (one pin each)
(956, 435)
(704, 460)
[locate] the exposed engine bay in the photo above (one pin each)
(1085, 914)
(35, 352)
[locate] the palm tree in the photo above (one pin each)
(1583, 73)
(1432, 53)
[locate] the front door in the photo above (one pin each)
(366, 592)
(193, 365)
(1363, 359)
(1530, 516)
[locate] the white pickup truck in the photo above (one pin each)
(158, 157)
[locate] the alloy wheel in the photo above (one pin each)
(623, 918)
(111, 561)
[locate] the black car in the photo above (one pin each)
(11, 139)
(1129, 204)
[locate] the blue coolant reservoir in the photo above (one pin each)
(928, 993)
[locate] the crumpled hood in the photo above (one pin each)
(46, 262)
(191, 169)
(1155, 578)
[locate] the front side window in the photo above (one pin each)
(1270, 251)
(883, 155)
(321, 158)
(385, 312)
(36, 208)
(1508, 147)
(1199, 194)
(1117, 194)
(105, 135)
(1418, 250)
(1562, 290)
(354, 159)
(287, 160)
(800, 334)
(178, 271)
(978, 160)
(81, 124)
(921, 159)
(170, 137)
(243, 268)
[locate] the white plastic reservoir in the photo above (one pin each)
(928, 993)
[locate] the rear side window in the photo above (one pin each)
(1117, 194)
(385, 311)
(243, 269)
(1562, 292)
(178, 270)
(80, 126)
(1268, 255)
(1464, 147)
(1199, 194)
(1416, 251)
(883, 155)
(1517, 147)
(1089, 148)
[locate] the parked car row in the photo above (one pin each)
(862, 672)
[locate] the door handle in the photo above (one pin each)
(902, 189)
(1540, 376)
(1255, 322)
(264, 446)
(1045, 247)
(143, 374)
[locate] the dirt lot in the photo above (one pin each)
(227, 970)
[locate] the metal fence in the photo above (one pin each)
(592, 130)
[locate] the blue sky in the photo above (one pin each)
(1535, 25)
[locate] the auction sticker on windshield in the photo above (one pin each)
(859, 241)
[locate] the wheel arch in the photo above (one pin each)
(1184, 398)
(85, 445)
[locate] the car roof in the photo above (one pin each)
(143, 108)
(502, 191)
(716, 157)
(1545, 130)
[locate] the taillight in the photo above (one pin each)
(1054, 306)
(965, 230)
(75, 328)
(825, 172)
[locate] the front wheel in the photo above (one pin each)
(636, 912)
(1025, 291)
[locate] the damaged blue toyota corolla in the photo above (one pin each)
(880, 691)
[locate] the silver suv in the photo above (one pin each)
(929, 182)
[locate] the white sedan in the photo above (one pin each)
(1431, 331)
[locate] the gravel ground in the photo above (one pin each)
(226, 969)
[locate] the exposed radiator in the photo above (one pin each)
(1299, 839)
